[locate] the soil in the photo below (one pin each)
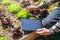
(7, 33)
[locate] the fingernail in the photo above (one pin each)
(39, 29)
(40, 32)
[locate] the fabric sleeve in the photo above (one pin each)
(55, 28)
(47, 3)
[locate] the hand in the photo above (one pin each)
(32, 8)
(43, 32)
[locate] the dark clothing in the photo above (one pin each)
(48, 22)
(52, 18)
(48, 2)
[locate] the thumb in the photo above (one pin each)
(39, 32)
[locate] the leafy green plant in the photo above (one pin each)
(52, 8)
(6, 2)
(41, 2)
(14, 8)
(35, 0)
(32, 18)
(3, 38)
(23, 14)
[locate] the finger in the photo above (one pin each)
(40, 32)
(45, 33)
(46, 30)
(39, 29)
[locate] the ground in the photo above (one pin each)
(16, 22)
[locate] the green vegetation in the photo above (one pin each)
(32, 18)
(3, 38)
(6, 2)
(52, 8)
(14, 8)
(35, 0)
(23, 14)
(41, 2)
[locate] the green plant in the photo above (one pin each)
(32, 18)
(6, 2)
(41, 2)
(23, 14)
(3, 38)
(14, 8)
(52, 8)
(35, 0)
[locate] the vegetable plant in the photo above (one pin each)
(14, 8)
(35, 0)
(3, 38)
(23, 14)
(32, 18)
(52, 8)
(6, 2)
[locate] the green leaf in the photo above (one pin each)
(35, 0)
(32, 18)
(52, 8)
(3, 38)
(6, 2)
(23, 14)
(14, 8)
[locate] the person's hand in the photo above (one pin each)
(43, 32)
(32, 8)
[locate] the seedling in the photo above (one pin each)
(14, 8)
(6, 2)
(23, 14)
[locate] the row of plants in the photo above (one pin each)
(6, 2)
(16, 9)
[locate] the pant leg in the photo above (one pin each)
(52, 18)
(55, 36)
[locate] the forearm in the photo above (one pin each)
(47, 3)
